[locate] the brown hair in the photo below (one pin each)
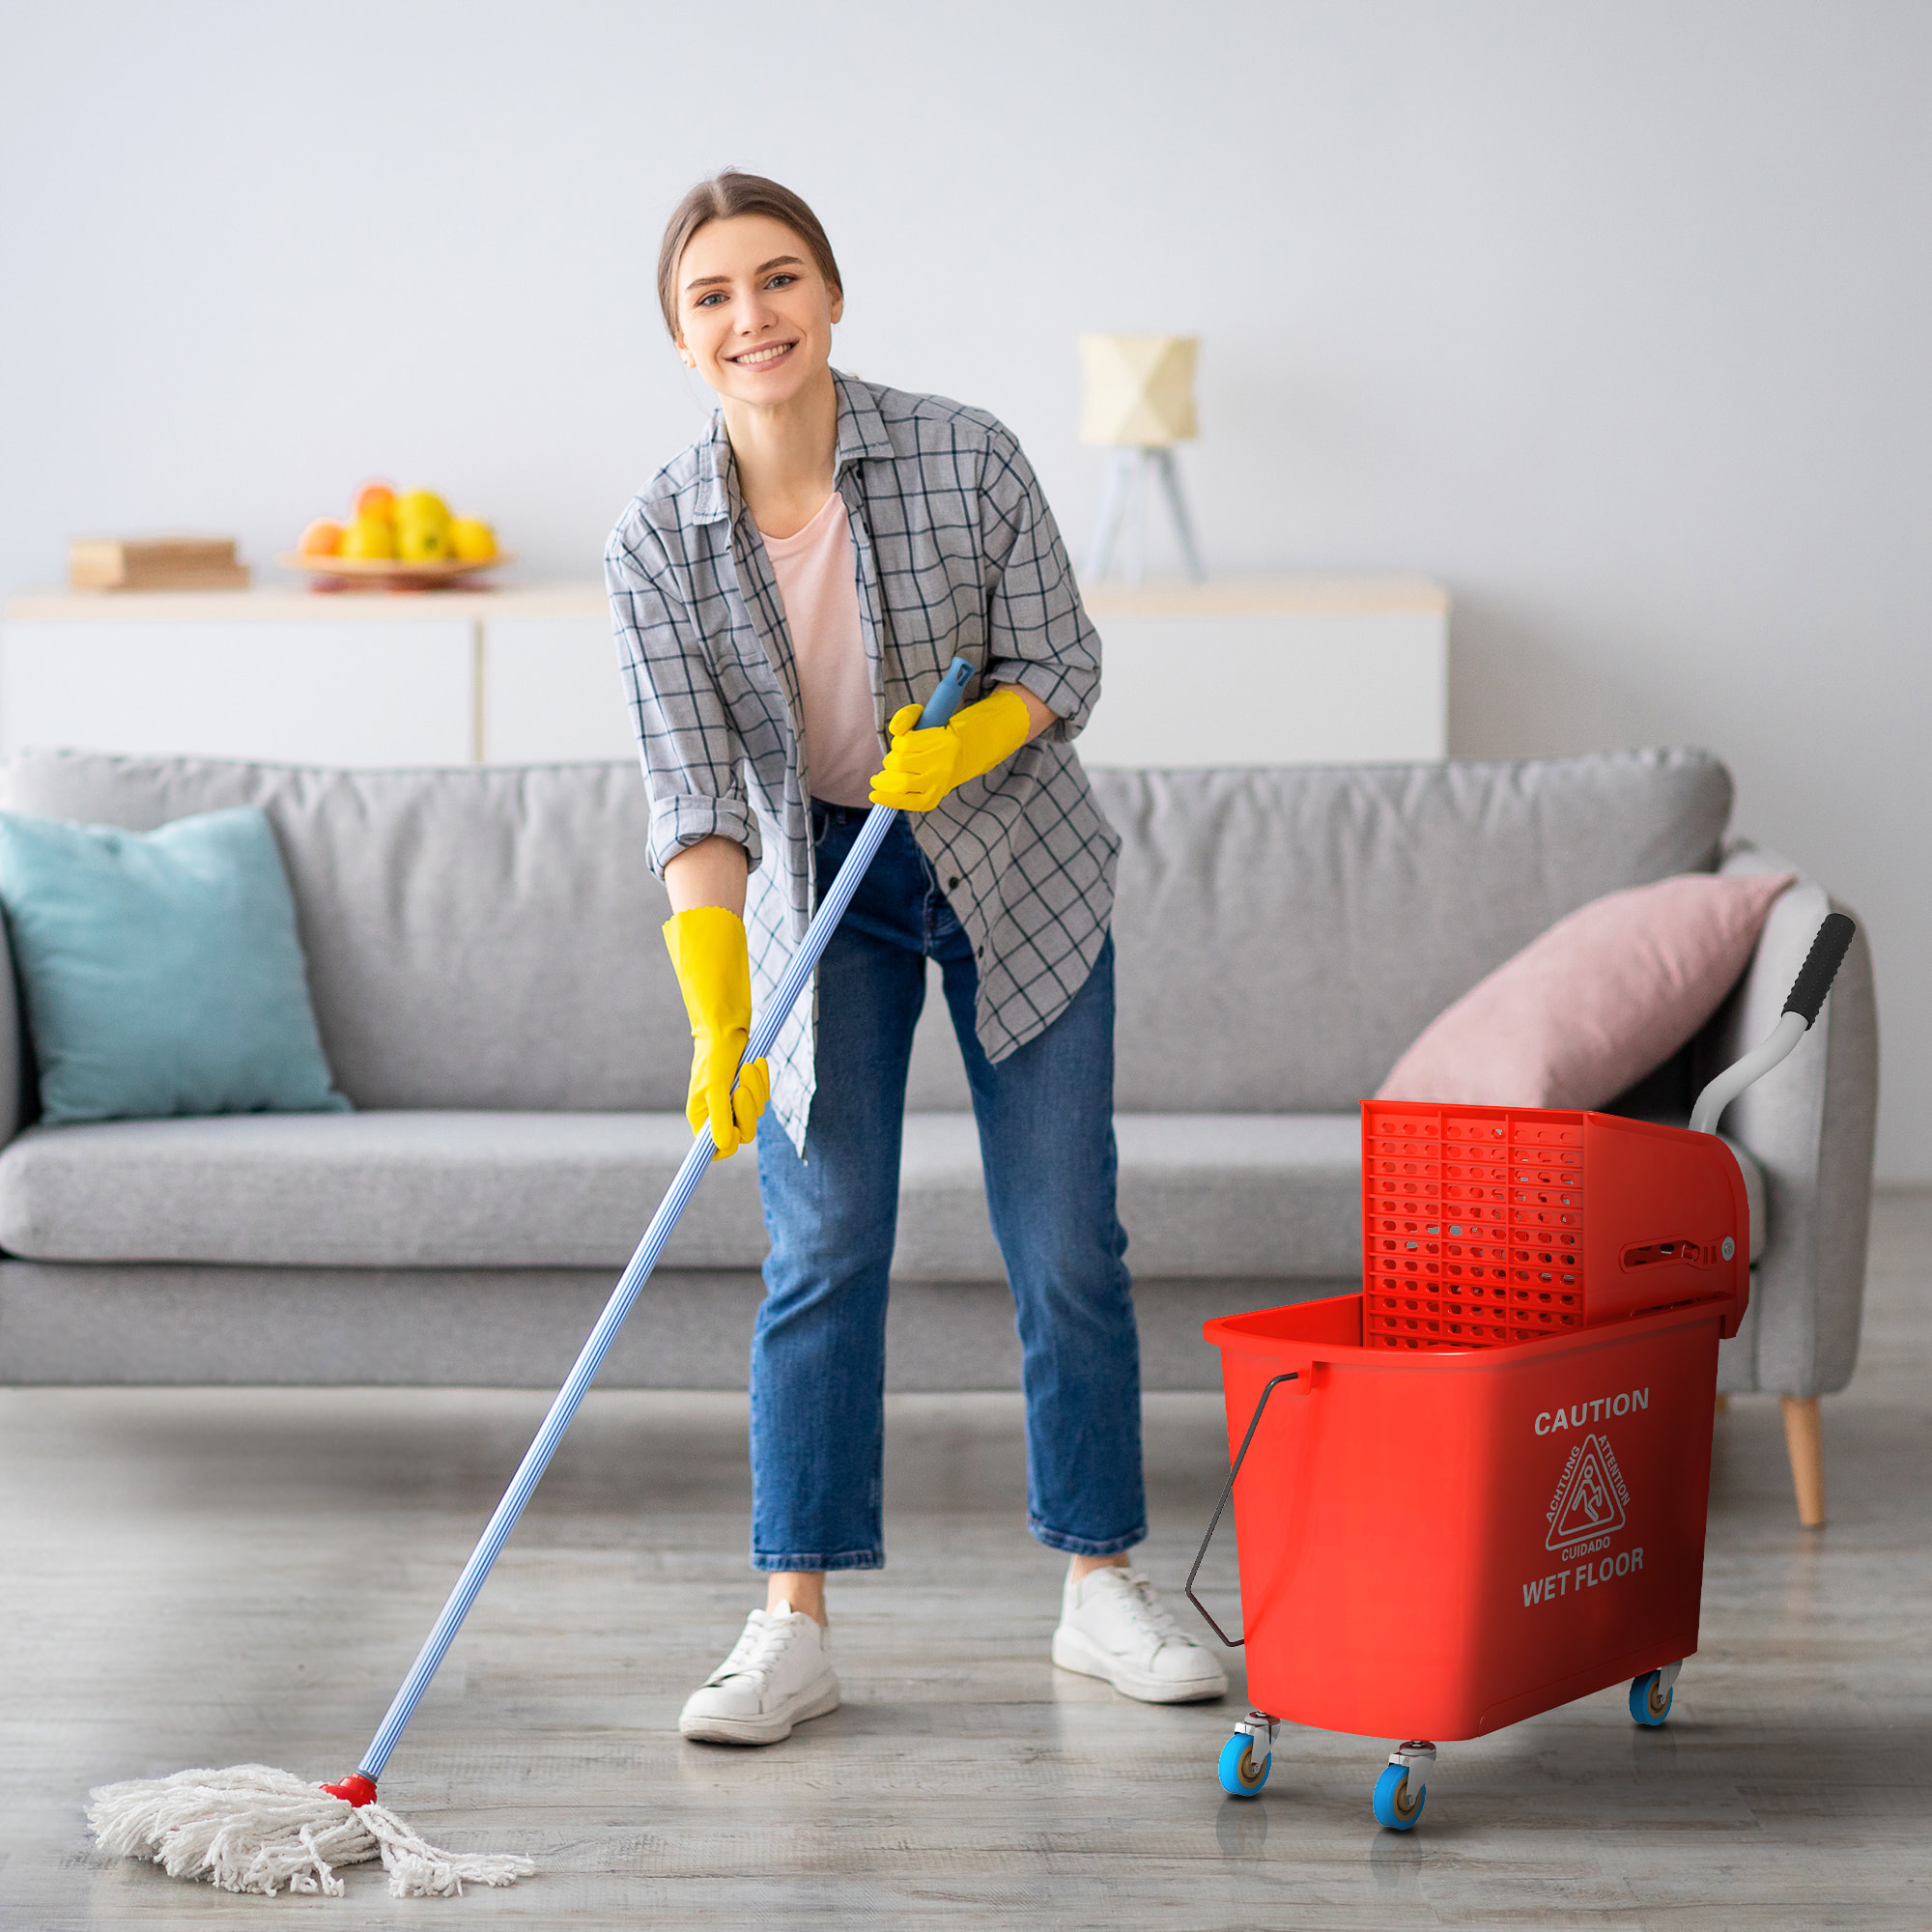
(720, 198)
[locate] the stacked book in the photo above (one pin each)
(155, 563)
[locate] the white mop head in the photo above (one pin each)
(251, 1829)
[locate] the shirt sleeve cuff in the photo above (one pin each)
(685, 820)
(1068, 695)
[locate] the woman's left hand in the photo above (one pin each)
(923, 766)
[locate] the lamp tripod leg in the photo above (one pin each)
(1113, 504)
(1176, 504)
(1137, 507)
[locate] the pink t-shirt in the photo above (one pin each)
(817, 581)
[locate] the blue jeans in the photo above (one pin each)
(1046, 1142)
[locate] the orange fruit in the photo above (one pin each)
(322, 538)
(374, 499)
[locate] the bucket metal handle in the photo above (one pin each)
(1800, 1010)
(1254, 1423)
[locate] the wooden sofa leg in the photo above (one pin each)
(1805, 1440)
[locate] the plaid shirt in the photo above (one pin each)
(957, 555)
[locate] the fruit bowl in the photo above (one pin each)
(386, 573)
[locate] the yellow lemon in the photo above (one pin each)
(369, 536)
(422, 543)
(415, 506)
(423, 526)
(472, 539)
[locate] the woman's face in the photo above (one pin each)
(755, 314)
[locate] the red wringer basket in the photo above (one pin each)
(1476, 1490)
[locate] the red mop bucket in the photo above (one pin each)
(1476, 1490)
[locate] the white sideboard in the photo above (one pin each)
(1271, 670)
(436, 677)
(1260, 670)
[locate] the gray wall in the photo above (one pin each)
(1617, 317)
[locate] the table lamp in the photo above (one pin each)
(1139, 400)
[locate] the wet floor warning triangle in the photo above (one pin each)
(1590, 1500)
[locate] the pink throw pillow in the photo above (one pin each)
(1610, 992)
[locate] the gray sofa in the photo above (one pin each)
(493, 996)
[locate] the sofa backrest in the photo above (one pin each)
(488, 937)
(477, 937)
(1283, 933)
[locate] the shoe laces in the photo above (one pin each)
(1147, 1613)
(764, 1641)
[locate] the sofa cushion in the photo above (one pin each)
(1284, 932)
(1591, 1007)
(1199, 1196)
(1231, 1196)
(487, 937)
(476, 937)
(1243, 1195)
(161, 970)
(416, 1189)
(1317, 918)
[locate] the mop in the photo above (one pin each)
(249, 1828)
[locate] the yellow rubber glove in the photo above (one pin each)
(714, 973)
(923, 766)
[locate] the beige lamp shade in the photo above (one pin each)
(1140, 388)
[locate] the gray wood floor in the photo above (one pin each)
(200, 1578)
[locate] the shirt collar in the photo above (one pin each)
(715, 485)
(862, 433)
(862, 429)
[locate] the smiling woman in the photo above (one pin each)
(722, 198)
(784, 593)
(751, 302)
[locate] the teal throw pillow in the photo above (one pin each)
(161, 970)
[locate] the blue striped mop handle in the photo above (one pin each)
(939, 707)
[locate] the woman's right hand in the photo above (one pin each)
(708, 951)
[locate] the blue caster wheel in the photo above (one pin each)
(1649, 1704)
(1241, 1776)
(1398, 1802)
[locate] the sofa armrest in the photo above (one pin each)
(1810, 1124)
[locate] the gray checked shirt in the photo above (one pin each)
(957, 555)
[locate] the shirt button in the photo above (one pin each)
(952, 882)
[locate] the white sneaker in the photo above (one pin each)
(1112, 1625)
(779, 1674)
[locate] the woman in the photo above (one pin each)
(799, 576)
